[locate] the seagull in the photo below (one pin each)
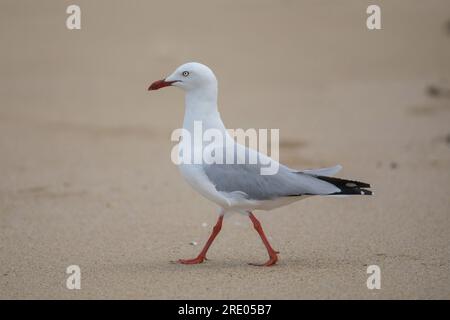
(240, 187)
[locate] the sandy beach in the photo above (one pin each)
(86, 176)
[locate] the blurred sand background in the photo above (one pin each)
(86, 176)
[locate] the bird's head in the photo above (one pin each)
(189, 76)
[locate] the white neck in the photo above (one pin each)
(201, 105)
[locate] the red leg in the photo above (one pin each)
(202, 255)
(273, 258)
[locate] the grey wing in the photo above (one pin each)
(247, 178)
(326, 172)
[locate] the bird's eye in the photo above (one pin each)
(185, 73)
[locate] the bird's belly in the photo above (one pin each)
(267, 205)
(197, 179)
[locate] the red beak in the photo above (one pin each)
(160, 84)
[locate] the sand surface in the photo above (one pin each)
(86, 176)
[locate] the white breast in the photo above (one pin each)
(197, 179)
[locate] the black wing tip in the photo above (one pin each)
(362, 192)
(348, 186)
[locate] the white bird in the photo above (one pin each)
(241, 187)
